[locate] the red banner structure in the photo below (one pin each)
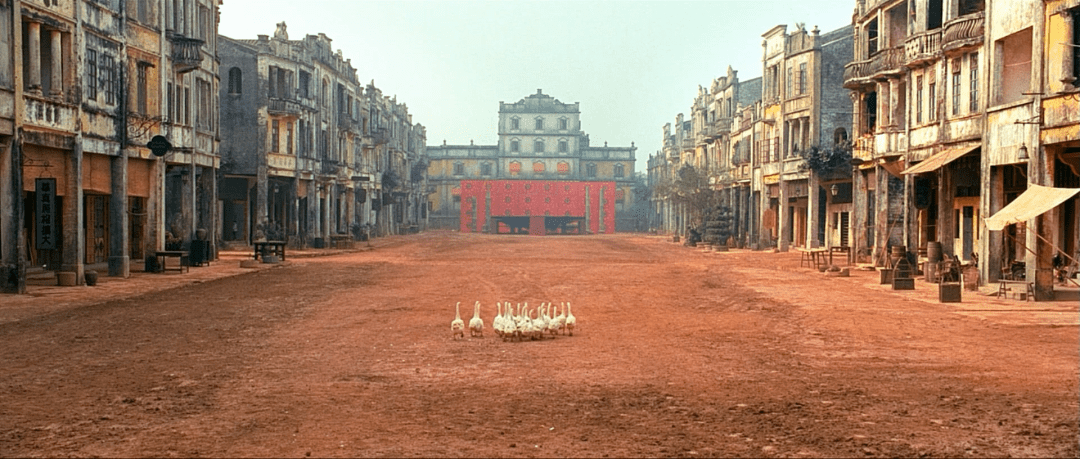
(537, 207)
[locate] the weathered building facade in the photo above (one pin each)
(540, 138)
(83, 87)
(309, 153)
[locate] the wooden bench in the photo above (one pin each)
(341, 241)
(164, 255)
(1023, 288)
(270, 248)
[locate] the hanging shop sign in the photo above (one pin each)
(45, 199)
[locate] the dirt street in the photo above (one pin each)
(677, 353)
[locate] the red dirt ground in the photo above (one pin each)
(677, 353)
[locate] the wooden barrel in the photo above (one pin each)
(933, 251)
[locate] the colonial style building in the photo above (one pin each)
(540, 138)
(751, 139)
(84, 86)
(309, 153)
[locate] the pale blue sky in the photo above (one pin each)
(632, 65)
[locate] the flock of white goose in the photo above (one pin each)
(524, 323)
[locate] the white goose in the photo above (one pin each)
(457, 327)
(476, 324)
(496, 323)
(571, 321)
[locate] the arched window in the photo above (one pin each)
(515, 145)
(515, 123)
(236, 80)
(590, 170)
(619, 171)
(564, 146)
(839, 136)
(538, 146)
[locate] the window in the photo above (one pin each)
(918, 99)
(787, 84)
(289, 137)
(619, 171)
(91, 74)
(590, 170)
(538, 146)
(1074, 50)
(305, 83)
(956, 87)
(934, 10)
(839, 136)
(973, 82)
(539, 124)
(872, 37)
(109, 81)
(274, 136)
(870, 109)
(563, 123)
(141, 87)
(515, 124)
(563, 146)
(515, 146)
(170, 102)
(459, 169)
(485, 169)
(802, 78)
(235, 80)
(932, 95)
(1013, 66)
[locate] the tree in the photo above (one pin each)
(830, 163)
(691, 189)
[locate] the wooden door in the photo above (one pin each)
(97, 229)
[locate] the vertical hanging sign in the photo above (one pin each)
(45, 199)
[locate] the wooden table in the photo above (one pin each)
(163, 255)
(846, 250)
(813, 258)
(270, 247)
(1016, 286)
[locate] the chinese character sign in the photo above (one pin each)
(45, 199)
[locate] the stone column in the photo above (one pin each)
(74, 237)
(33, 77)
(119, 250)
(1067, 51)
(56, 69)
(12, 245)
(1040, 266)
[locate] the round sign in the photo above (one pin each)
(159, 145)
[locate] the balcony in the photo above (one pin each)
(687, 143)
(856, 74)
(887, 62)
(186, 53)
(49, 113)
(283, 106)
(922, 48)
(378, 136)
(963, 31)
(863, 148)
(345, 122)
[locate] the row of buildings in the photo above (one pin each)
(269, 138)
(909, 127)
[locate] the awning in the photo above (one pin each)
(1032, 203)
(939, 159)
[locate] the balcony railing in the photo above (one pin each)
(283, 106)
(855, 73)
(379, 136)
(888, 61)
(922, 48)
(186, 53)
(863, 148)
(49, 113)
(963, 31)
(345, 122)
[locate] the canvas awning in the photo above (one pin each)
(1032, 203)
(939, 159)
